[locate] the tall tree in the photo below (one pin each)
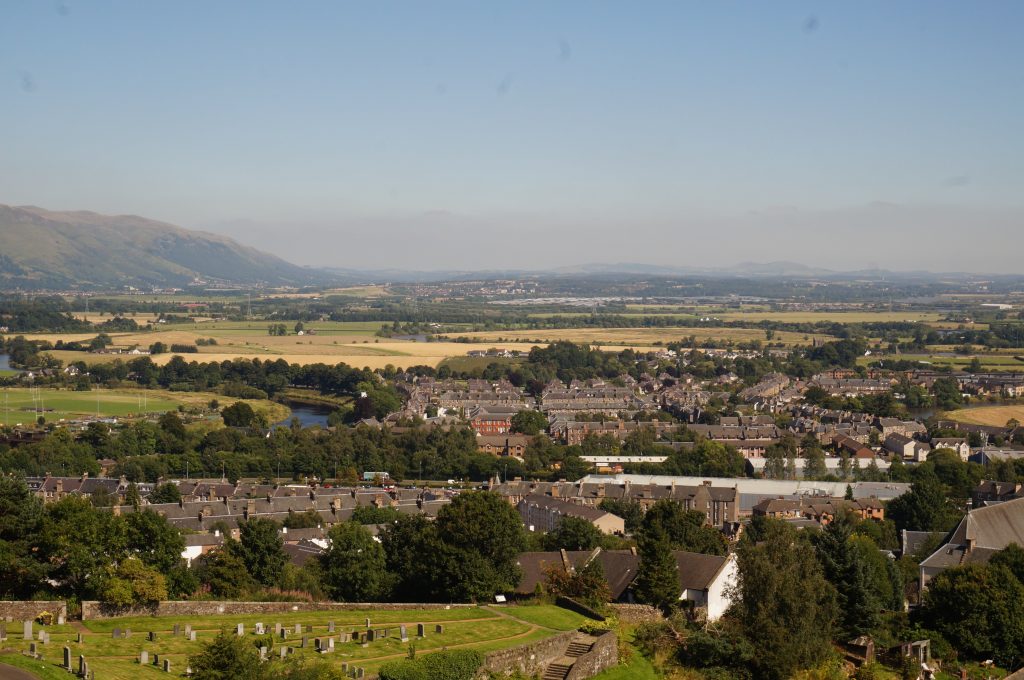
(227, 657)
(923, 508)
(21, 518)
(657, 577)
(354, 569)
(573, 533)
(262, 549)
(683, 529)
(846, 570)
(783, 602)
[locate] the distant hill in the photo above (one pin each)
(59, 250)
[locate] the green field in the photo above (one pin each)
(24, 404)
(485, 629)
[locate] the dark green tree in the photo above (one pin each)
(239, 414)
(923, 508)
(657, 577)
(845, 568)
(224, 572)
(227, 657)
(683, 529)
(783, 602)
(262, 549)
(153, 540)
(529, 422)
(165, 493)
(354, 568)
(573, 533)
(21, 519)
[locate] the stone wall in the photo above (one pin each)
(528, 659)
(97, 610)
(636, 613)
(604, 654)
(24, 611)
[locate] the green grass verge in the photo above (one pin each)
(548, 616)
(40, 669)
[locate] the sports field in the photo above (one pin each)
(22, 405)
(482, 628)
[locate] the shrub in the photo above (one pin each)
(456, 664)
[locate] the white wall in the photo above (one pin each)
(718, 599)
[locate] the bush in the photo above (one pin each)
(456, 664)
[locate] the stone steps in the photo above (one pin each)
(558, 670)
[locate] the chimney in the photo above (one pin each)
(250, 508)
(555, 493)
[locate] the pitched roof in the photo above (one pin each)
(697, 571)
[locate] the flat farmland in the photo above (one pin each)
(828, 316)
(996, 416)
(483, 629)
(643, 337)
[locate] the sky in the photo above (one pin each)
(482, 135)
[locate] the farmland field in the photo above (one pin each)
(996, 416)
(24, 404)
(484, 629)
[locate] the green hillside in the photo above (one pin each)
(44, 249)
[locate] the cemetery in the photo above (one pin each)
(357, 641)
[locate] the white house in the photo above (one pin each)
(706, 581)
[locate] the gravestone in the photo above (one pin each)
(309, 628)
(3, 632)
(188, 629)
(343, 636)
(41, 635)
(421, 630)
(403, 633)
(263, 653)
(32, 649)
(284, 634)
(344, 667)
(439, 628)
(81, 665)
(371, 635)
(116, 633)
(360, 672)
(330, 644)
(277, 628)
(284, 652)
(260, 629)
(67, 658)
(127, 633)
(60, 620)
(305, 641)
(152, 636)
(26, 631)
(298, 629)
(79, 638)
(156, 659)
(367, 623)
(86, 673)
(240, 630)
(330, 626)
(143, 657)
(167, 665)
(177, 630)
(318, 644)
(192, 636)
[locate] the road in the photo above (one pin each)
(12, 673)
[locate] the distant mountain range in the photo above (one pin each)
(61, 250)
(43, 249)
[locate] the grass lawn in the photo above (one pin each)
(40, 669)
(996, 416)
(637, 668)
(484, 629)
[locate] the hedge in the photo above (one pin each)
(456, 664)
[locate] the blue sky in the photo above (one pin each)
(531, 134)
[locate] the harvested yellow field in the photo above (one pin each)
(840, 317)
(996, 416)
(141, 318)
(644, 336)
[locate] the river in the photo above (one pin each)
(308, 414)
(5, 364)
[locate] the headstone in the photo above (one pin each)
(260, 629)
(3, 631)
(81, 665)
(318, 644)
(330, 644)
(86, 673)
(127, 633)
(284, 652)
(177, 630)
(192, 636)
(79, 638)
(277, 628)
(116, 633)
(305, 641)
(284, 634)
(156, 660)
(61, 620)
(360, 672)
(330, 626)
(143, 657)
(371, 635)
(67, 658)
(188, 629)
(152, 636)
(403, 633)
(263, 653)
(41, 636)
(167, 665)
(240, 630)
(367, 623)
(439, 628)
(344, 667)
(309, 628)
(298, 629)
(421, 630)
(26, 633)
(32, 649)
(343, 637)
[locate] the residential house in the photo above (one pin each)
(958, 444)
(907, 448)
(544, 513)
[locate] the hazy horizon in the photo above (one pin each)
(455, 135)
